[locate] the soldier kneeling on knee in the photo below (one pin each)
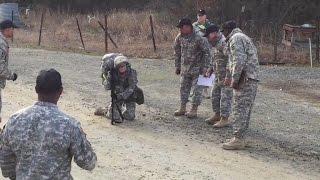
(122, 80)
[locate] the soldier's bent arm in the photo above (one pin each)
(177, 52)
(7, 158)
(81, 149)
(5, 73)
(238, 58)
(205, 47)
(133, 81)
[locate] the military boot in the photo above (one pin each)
(222, 123)
(101, 111)
(234, 144)
(193, 113)
(213, 120)
(182, 111)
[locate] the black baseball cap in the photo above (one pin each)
(201, 12)
(183, 22)
(48, 82)
(212, 28)
(7, 24)
(229, 25)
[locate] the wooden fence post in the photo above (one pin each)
(152, 33)
(41, 24)
(318, 41)
(102, 27)
(106, 32)
(80, 33)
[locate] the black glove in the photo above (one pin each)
(178, 71)
(15, 76)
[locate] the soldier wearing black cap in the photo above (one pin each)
(221, 94)
(192, 58)
(244, 67)
(202, 23)
(39, 142)
(6, 32)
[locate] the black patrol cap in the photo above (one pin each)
(229, 25)
(212, 28)
(7, 24)
(48, 82)
(201, 12)
(183, 22)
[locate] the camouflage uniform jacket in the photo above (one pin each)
(39, 142)
(221, 58)
(5, 73)
(200, 29)
(126, 85)
(192, 52)
(243, 56)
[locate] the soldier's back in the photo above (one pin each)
(40, 137)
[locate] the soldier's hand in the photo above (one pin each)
(235, 85)
(227, 82)
(204, 72)
(178, 71)
(209, 72)
(15, 77)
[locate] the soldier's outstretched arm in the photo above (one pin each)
(238, 58)
(7, 157)
(81, 149)
(133, 81)
(177, 52)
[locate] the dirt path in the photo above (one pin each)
(157, 145)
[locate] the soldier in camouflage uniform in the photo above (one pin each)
(6, 32)
(221, 94)
(125, 83)
(40, 141)
(107, 64)
(192, 58)
(244, 72)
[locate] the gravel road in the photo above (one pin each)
(283, 136)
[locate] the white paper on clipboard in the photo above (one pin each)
(206, 81)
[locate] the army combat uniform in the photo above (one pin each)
(221, 94)
(39, 142)
(106, 65)
(5, 73)
(199, 28)
(192, 54)
(125, 87)
(245, 69)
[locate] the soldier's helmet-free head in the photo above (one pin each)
(228, 26)
(184, 22)
(48, 82)
(211, 29)
(7, 24)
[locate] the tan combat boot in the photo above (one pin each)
(213, 120)
(193, 113)
(182, 111)
(234, 144)
(222, 123)
(101, 111)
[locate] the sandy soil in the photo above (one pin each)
(284, 132)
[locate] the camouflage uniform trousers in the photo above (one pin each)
(221, 99)
(128, 110)
(187, 81)
(242, 107)
(0, 102)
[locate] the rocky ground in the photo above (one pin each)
(283, 136)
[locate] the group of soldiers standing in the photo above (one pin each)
(203, 48)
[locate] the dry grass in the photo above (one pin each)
(131, 32)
